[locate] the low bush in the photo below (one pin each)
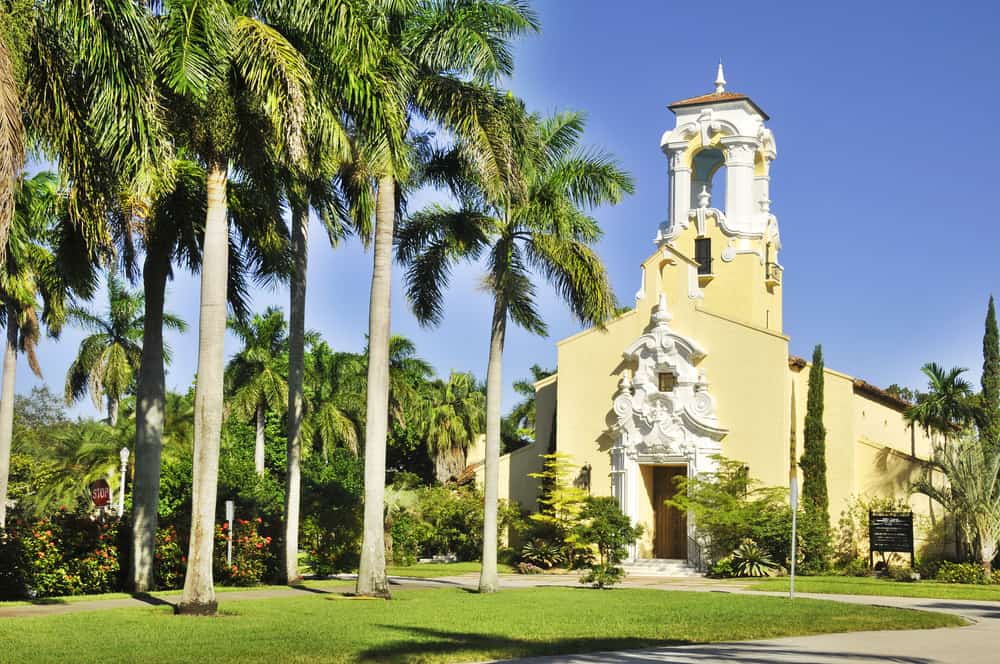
(66, 554)
(902, 573)
(170, 559)
(730, 507)
(250, 553)
(855, 567)
(604, 527)
(750, 560)
(542, 553)
(528, 568)
(949, 572)
(722, 568)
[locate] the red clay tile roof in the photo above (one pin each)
(717, 97)
(880, 395)
(864, 387)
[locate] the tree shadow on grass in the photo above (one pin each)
(441, 642)
(608, 650)
(151, 600)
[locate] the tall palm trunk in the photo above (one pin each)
(150, 403)
(7, 409)
(113, 405)
(296, 361)
(199, 591)
(372, 579)
(258, 444)
(488, 580)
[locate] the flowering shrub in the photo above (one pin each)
(66, 554)
(170, 559)
(250, 553)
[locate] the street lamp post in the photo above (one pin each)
(121, 494)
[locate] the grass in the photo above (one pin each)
(440, 625)
(848, 585)
(323, 584)
(431, 570)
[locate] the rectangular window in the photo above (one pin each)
(703, 254)
(667, 381)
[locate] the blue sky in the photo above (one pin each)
(885, 117)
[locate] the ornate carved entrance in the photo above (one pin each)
(674, 426)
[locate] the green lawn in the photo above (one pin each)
(430, 570)
(439, 625)
(848, 585)
(320, 584)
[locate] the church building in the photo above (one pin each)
(700, 366)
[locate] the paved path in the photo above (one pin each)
(978, 643)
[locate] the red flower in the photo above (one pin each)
(260, 545)
(41, 554)
(259, 520)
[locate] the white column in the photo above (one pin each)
(632, 480)
(741, 205)
(680, 185)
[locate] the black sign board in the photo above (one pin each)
(890, 532)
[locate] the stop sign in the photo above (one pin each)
(100, 493)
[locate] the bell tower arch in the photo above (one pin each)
(720, 141)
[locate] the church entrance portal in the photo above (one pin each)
(669, 523)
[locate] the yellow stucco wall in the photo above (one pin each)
(868, 442)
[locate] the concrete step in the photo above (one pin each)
(669, 567)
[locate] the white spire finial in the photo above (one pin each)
(720, 80)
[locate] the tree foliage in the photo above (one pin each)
(989, 401)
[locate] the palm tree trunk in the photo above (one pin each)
(258, 445)
(372, 579)
(199, 591)
(296, 367)
(150, 403)
(488, 580)
(113, 411)
(7, 410)
(11, 152)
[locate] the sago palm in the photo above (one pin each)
(443, 58)
(255, 377)
(108, 359)
(543, 230)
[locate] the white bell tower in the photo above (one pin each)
(734, 241)
(719, 129)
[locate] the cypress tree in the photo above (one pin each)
(989, 425)
(815, 500)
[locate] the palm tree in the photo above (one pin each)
(255, 376)
(76, 81)
(544, 229)
(442, 59)
(971, 494)
(334, 399)
(456, 413)
(108, 359)
(31, 273)
(173, 233)
(347, 91)
(238, 91)
(520, 422)
(947, 405)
